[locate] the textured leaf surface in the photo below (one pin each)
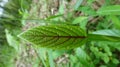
(56, 36)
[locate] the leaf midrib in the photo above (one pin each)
(63, 36)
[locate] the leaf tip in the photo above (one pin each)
(20, 35)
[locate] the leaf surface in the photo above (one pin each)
(56, 36)
(116, 21)
(105, 35)
(109, 10)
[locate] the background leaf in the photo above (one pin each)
(83, 58)
(82, 21)
(78, 3)
(115, 21)
(109, 10)
(108, 32)
(12, 41)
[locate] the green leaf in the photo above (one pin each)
(42, 54)
(12, 41)
(54, 17)
(82, 21)
(61, 9)
(108, 32)
(90, 1)
(115, 21)
(109, 10)
(115, 61)
(51, 60)
(73, 59)
(81, 54)
(115, 45)
(103, 66)
(78, 3)
(79, 20)
(87, 10)
(105, 58)
(95, 37)
(106, 48)
(83, 58)
(56, 36)
(7, 56)
(105, 35)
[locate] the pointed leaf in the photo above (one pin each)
(56, 36)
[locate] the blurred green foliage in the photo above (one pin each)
(103, 19)
(10, 26)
